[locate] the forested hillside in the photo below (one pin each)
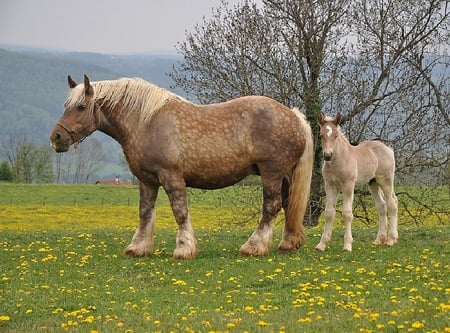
(33, 88)
(33, 84)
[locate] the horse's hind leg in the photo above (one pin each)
(142, 242)
(330, 213)
(392, 211)
(380, 205)
(260, 241)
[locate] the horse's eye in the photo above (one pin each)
(81, 107)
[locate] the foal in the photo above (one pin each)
(344, 165)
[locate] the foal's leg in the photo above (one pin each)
(392, 210)
(380, 205)
(186, 243)
(347, 214)
(260, 241)
(330, 213)
(142, 242)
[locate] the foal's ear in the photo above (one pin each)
(88, 90)
(337, 119)
(72, 83)
(320, 118)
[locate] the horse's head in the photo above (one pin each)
(329, 130)
(78, 120)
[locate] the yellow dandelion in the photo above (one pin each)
(417, 324)
(5, 318)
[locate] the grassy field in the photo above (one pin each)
(63, 269)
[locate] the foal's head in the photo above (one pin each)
(329, 130)
(78, 120)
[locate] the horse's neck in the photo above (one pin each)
(116, 124)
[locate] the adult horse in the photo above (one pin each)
(173, 143)
(344, 165)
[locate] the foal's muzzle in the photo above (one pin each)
(327, 155)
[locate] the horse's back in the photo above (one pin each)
(220, 144)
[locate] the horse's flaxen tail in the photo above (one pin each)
(299, 190)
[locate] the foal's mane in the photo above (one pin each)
(134, 94)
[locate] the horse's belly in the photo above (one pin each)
(215, 180)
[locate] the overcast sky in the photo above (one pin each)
(104, 26)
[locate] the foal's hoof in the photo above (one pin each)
(391, 241)
(320, 247)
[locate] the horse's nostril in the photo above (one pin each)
(57, 136)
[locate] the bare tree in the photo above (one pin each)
(79, 165)
(380, 63)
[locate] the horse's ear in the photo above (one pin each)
(87, 86)
(72, 83)
(337, 119)
(320, 118)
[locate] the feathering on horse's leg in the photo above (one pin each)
(330, 214)
(260, 241)
(142, 241)
(186, 243)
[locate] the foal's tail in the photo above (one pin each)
(299, 190)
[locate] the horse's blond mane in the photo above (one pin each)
(135, 95)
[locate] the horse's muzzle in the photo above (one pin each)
(60, 140)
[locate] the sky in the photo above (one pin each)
(102, 26)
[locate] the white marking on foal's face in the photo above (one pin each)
(329, 130)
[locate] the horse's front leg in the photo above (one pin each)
(142, 242)
(347, 214)
(260, 241)
(330, 213)
(186, 243)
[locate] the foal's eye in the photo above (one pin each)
(81, 107)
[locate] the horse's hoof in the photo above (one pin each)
(184, 253)
(287, 248)
(134, 251)
(253, 250)
(291, 242)
(347, 248)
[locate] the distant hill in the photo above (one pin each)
(33, 85)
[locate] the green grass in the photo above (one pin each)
(65, 271)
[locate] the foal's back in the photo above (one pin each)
(375, 160)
